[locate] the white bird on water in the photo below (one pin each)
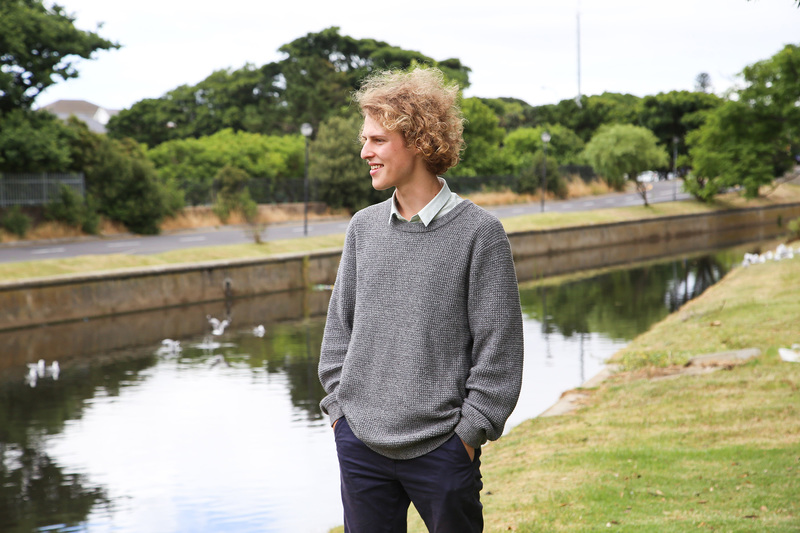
(259, 331)
(169, 347)
(217, 326)
(39, 370)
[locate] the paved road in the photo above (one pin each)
(663, 191)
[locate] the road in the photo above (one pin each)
(663, 191)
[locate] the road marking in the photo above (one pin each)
(196, 238)
(48, 251)
(121, 244)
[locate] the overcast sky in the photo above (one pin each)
(519, 48)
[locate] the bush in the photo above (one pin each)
(15, 221)
(530, 176)
(122, 181)
(71, 209)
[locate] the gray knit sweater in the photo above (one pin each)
(424, 331)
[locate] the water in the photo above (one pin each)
(145, 439)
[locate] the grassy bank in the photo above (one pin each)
(712, 452)
(55, 267)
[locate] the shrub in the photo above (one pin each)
(15, 221)
(71, 209)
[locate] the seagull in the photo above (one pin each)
(217, 326)
(38, 368)
(259, 331)
(790, 355)
(32, 376)
(54, 370)
(169, 347)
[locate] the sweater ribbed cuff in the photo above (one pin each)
(473, 436)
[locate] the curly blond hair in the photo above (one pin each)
(423, 107)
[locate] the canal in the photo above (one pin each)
(225, 433)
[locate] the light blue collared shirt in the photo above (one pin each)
(440, 205)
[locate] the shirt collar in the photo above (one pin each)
(427, 213)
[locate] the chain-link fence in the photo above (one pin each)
(36, 189)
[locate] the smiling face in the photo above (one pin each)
(392, 163)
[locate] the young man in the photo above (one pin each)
(422, 352)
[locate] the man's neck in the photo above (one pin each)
(412, 197)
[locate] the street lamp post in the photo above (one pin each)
(306, 129)
(545, 140)
(675, 168)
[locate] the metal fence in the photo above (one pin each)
(36, 189)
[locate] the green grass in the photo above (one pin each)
(718, 452)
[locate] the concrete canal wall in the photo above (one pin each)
(72, 298)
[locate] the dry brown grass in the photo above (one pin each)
(504, 197)
(577, 188)
(204, 216)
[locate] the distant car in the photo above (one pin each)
(648, 176)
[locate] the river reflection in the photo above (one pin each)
(136, 440)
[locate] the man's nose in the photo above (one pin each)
(366, 151)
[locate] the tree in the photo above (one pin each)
(36, 44)
(702, 83)
(593, 111)
(120, 180)
(190, 165)
(33, 141)
(310, 84)
(342, 176)
(535, 170)
(564, 146)
(512, 113)
(623, 151)
(753, 137)
(482, 136)
(233, 194)
(671, 115)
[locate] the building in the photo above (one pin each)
(94, 116)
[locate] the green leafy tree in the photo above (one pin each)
(341, 175)
(623, 151)
(190, 165)
(671, 115)
(33, 141)
(312, 82)
(37, 42)
(533, 175)
(233, 194)
(754, 137)
(121, 179)
(586, 117)
(564, 146)
(512, 113)
(482, 136)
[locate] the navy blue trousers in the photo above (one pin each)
(444, 486)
